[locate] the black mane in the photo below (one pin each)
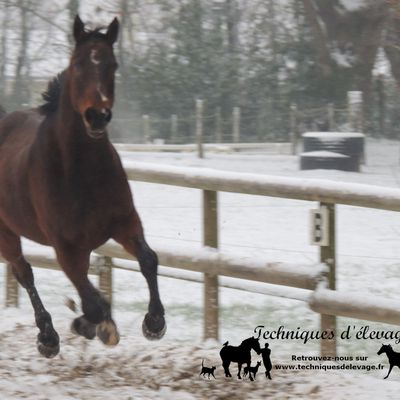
(51, 96)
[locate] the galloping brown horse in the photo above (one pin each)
(62, 184)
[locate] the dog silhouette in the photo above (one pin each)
(252, 370)
(207, 370)
(394, 357)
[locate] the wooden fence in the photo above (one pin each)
(319, 279)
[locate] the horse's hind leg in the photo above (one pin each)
(48, 341)
(130, 235)
(96, 318)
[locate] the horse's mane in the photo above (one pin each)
(52, 94)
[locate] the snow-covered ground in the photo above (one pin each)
(368, 262)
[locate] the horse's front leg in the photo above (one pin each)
(48, 342)
(239, 369)
(96, 318)
(130, 235)
(390, 370)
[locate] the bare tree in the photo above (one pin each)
(20, 90)
(346, 38)
(391, 43)
(4, 49)
(73, 10)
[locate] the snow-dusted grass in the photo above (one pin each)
(368, 262)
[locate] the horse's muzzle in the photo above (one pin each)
(96, 121)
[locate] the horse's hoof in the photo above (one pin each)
(48, 351)
(48, 347)
(107, 332)
(154, 327)
(81, 326)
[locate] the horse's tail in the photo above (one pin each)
(225, 344)
(202, 362)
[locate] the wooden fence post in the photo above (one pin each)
(331, 117)
(146, 128)
(174, 128)
(105, 265)
(355, 110)
(199, 128)
(328, 257)
(218, 125)
(211, 290)
(236, 124)
(12, 288)
(293, 128)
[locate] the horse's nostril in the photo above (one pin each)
(97, 118)
(90, 114)
(107, 114)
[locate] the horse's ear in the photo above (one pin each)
(112, 31)
(79, 29)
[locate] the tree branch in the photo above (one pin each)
(324, 57)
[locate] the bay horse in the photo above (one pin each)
(240, 354)
(62, 184)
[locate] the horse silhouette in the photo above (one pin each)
(393, 356)
(240, 354)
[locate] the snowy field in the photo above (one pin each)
(278, 229)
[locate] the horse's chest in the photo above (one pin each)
(85, 211)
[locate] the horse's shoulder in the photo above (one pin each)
(20, 117)
(20, 125)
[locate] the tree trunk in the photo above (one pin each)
(391, 43)
(21, 92)
(347, 41)
(73, 11)
(4, 51)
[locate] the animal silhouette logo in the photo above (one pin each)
(207, 370)
(252, 370)
(239, 354)
(393, 357)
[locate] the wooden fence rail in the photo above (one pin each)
(353, 194)
(214, 264)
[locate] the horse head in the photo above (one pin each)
(91, 76)
(252, 343)
(385, 348)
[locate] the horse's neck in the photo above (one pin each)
(391, 353)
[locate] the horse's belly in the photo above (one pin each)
(88, 231)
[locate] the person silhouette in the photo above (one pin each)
(266, 352)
